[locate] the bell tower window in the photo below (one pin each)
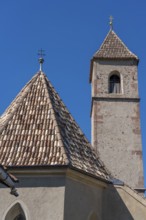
(114, 84)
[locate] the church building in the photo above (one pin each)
(61, 175)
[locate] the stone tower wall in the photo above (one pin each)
(103, 69)
(115, 119)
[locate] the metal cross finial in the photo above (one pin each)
(41, 54)
(111, 22)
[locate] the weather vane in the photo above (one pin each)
(41, 54)
(111, 22)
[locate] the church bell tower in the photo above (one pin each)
(115, 118)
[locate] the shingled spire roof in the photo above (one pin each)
(38, 130)
(114, 48)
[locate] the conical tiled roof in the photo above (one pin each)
(114, 48)
(37, 129)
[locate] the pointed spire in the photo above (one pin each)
(41, 59)
(52, 136)
(114, 48)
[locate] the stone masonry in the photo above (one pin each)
(115, 118)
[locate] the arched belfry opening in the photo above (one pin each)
(16, 213)
(114, 83)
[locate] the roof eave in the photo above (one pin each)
(115, 58)
(91, 175)
(50, 168)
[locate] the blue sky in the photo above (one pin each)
(69, 32)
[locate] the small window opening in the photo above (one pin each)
(114, 84)
(19, 217)
(15, 213)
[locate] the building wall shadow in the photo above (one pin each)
(114, 207)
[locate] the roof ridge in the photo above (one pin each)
(71, 115)
(54, 117)
(9, 112)
(124, 44)
(102, 43)
(81, 132)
